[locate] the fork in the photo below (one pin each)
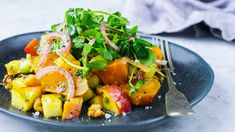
(176, 102)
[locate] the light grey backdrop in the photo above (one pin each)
(214, 113)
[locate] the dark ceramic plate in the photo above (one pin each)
(194, 77)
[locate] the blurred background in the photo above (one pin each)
(206, 27)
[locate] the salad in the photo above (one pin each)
(92, 57)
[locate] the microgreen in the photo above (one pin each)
(84, 25)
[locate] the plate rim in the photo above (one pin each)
(149, 122)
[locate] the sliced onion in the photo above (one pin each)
(108, 41)
(64, 38)
(45, 52)
(60, 26)
(68, 77)
(136, 64)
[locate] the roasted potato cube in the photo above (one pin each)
(93, 81)
(13, 67)
(115, 100)
(72, 108)
(81, 86)
(52, 105)
(23, 98)
(97, 100)
(88, 95)
(38, 105)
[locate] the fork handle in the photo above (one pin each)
(170, 80)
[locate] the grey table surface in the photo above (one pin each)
(214, 113)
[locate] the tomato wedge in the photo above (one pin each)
(31, 47)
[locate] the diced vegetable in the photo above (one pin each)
(18, 83)
(157, 52)
(25, 66)
(23, 98)
(50, 61)
(145, 94)
(97, 100)
(61, 63)
(31, 80)
(81, 86)
(56, 80)
(95, 111)
(13, 67)
(115, 100)
(150, 73)
(93, 81)
(115, 73)
(72, 108)
(52, 105)
(31, 47)
(38, 105)
(88, 95)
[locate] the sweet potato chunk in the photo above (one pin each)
(54, 82)
(145, 94)
(115, 73)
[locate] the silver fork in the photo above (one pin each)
(176, 103)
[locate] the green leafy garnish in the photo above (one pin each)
(139, 84)
(86, 50)
(102, 27)
(97, 63)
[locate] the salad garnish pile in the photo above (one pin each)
(92, 57)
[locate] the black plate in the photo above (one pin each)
(194, 77)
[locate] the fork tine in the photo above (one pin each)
(169, 59)
(162, 48)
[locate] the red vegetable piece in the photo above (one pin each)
(31, 47)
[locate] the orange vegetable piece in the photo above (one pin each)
(54, 82)
(50, 61)
(115, 73)
(30, 48)
(72, 108)
(158, 53)
(31, 80)
(145, 94)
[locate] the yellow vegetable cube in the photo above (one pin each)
(72, 108)
(18, 83)
(23, 98)
(13, 67)
(38, 105)
(52, 105)
(97, 100)
(88, 95)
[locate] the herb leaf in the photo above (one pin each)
(97, 63)
(78, 43)
(86, 49)
(105, 53)
(139, 84)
